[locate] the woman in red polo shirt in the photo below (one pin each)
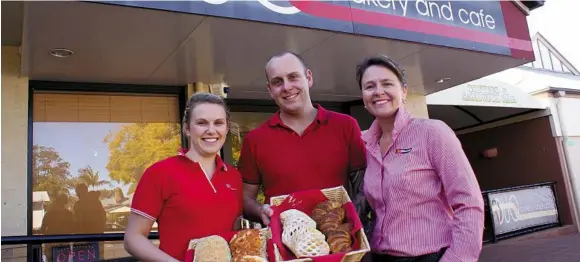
(191, 195)
(418, 181)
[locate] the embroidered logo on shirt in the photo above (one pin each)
(403, 150)
(230, 187)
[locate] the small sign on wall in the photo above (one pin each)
(87, 252)
(523, 208)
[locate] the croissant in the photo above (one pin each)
(329, 217)
(328, 224)
(328, 212)
(331, 220)
(339, 239)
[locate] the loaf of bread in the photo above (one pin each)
(300, 235)
(246, 243)
(212, 249)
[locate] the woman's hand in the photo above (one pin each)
(137, 243)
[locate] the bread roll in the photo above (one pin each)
(212, 249)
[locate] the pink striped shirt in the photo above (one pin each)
(423, 191)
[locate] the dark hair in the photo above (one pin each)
(283, 54)
(380, 60)
(82, 187)
(203, 98)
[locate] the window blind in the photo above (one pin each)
(114, 108)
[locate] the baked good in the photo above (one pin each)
(252, 259)
(212, 249)
(321, 210)
(246, 242)
(329, 217)
(339, 239)
(300, 235)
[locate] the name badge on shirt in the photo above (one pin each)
(403, 150)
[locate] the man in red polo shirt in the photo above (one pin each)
(302, 146)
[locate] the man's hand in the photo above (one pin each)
(265, 213)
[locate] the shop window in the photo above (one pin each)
(89, 151)
(244, 123)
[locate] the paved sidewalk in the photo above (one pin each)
(554, 249)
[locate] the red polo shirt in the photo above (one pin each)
(186, 205)
(285, 162)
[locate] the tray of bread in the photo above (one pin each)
(316, 225)
(245, 245)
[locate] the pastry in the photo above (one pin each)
(321, 210)
(247, 242)
(212, 249)
(329, 217)
(300, 235)
(339, 239)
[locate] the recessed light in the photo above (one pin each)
(442, 80)
(61, 52)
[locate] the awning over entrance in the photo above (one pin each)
(479, 102)
(229, 42)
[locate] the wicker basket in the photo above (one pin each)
(336, 194)
(265, 234)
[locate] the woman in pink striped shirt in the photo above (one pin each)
(427, 202)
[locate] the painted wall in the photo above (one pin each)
(570, 114)
(527, 154)
(14, 157)
(573, 145)
(531, 80)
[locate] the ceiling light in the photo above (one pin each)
(61, 52)
(442, 80)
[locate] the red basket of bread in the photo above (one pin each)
(316, 225)
(246, 245)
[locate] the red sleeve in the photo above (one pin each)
(357, 150)
(247, 163)
(148, 197)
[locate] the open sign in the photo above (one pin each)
(76, 253)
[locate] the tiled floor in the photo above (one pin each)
(553, 249)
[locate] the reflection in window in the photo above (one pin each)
(245, 122)
(86, 251)
(90, 151)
